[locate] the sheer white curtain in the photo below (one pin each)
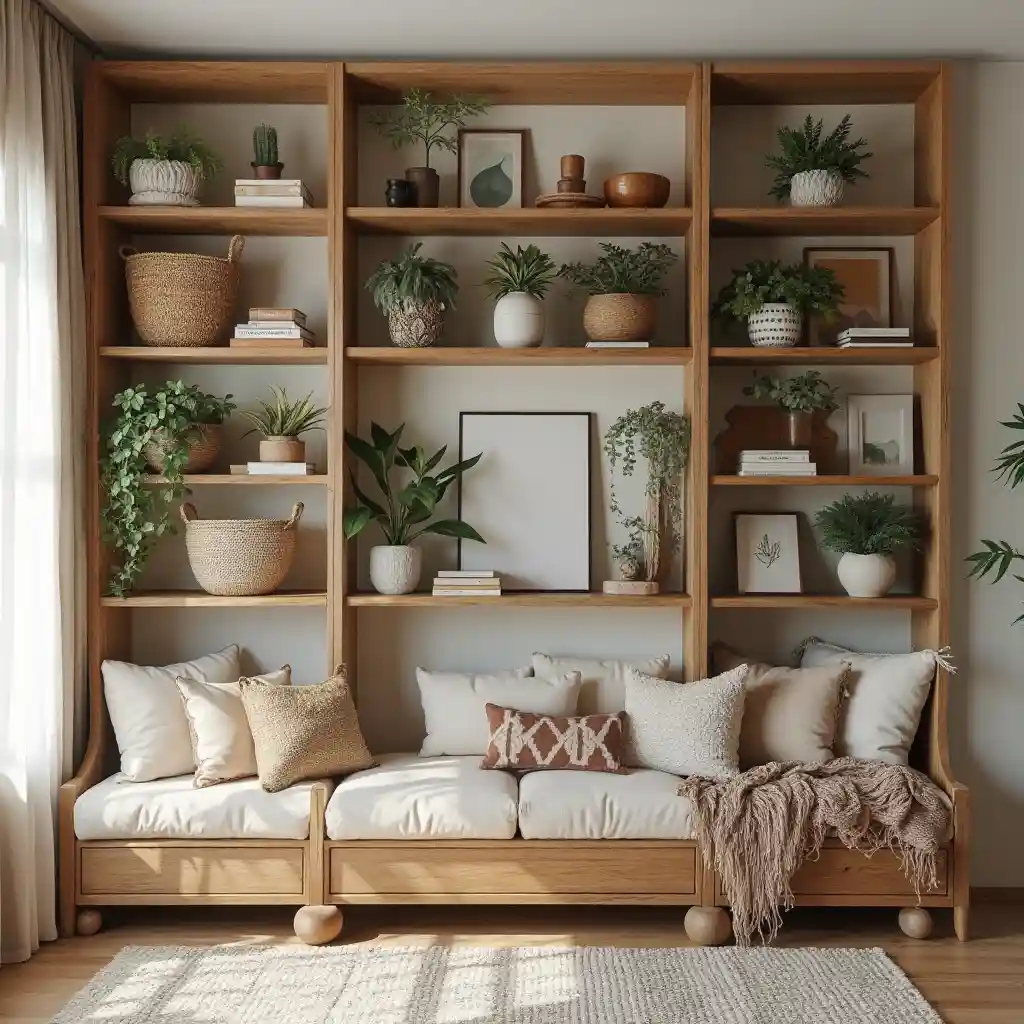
(41, 461)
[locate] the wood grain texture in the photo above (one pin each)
(524, 599)
(214, 220)
(217, 355)
(908, 602)
(200, 599)
(825, 480)
(243, 480)
(842, 221)
(496, 357)
(750, 356)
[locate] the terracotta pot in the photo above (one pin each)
(267, 172)
(637, 189)
(204, 445)
(426, 184)
(416, 326)
(282, 449)
(801, 428)
(619, 317)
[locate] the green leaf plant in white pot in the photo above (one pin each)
(407, 508)
(519, 281)
(164, 171)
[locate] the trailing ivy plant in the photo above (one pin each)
(807, 392)
(803, 149)
(134, 514)
(181, 145)
(806, 289)
(411, 281)
(526, 270)
(868, 524)
(619, 270)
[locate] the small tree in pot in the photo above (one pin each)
(280, 422)
(800, 396)
(519, 282)
(265, 164)
(414, 292)
(164, 171)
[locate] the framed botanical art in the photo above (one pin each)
(867, 277)
(491, 168)
(880, 434)
(767, 553)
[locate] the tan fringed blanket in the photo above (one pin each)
(757, 828)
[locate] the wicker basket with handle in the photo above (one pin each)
(182, 299)
(239, 557)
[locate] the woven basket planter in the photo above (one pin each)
(204, 445)
(620, 317)
(181, 299)
(239, 557)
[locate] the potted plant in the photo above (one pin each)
(280, 422)
(866, 529)
(408, 508)
(414, 292)
(422, 119)
(174, 430)
(800, 397)
(662, 439)
(811, 170)
(519, 282)
(773, 298)
(265, 164)
(164, 171)
(621, 287)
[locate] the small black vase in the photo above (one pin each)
(400, 192)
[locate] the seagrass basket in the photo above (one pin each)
(182, 299)
(204, 445)
(239, 557)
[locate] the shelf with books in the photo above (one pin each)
(840, 221)
(218, 220)
(825, 480)
(244, 480)
(520, 599)
(675, 355)
(218, 354)
(877, 355)
(804, 602)
(200, 599)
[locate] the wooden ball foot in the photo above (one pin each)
(916, 922)
(318, 924)
(707, 926)
(88, 922)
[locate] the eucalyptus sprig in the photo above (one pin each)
(181, 145)
(868, 524)
(806, 289)
(285, 418)
(619, 270)
(803, 149)
(525, 270)
(807, 392)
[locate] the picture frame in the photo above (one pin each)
(529, 497)
(880, 434)
(868, 276)
(767, 553)
(490, 175)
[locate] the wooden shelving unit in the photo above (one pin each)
(219, 354)
(524, 599)
(242, 480)
(554, 356)
(200, 599)
(844, 221)
(880, 482)
(211, 220)
(749, 356)
(841, 602)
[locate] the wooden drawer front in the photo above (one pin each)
(841, 872)
(191, 871)
(528, 869)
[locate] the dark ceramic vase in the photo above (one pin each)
(400, 192)
(426, 184)
(801, 428)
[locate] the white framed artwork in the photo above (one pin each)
(767, 553)
(529, 497)
(881, 435)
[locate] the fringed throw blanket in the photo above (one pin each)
(757, 828)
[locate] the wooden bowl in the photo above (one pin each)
(637, 189)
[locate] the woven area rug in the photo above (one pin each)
(542, 985)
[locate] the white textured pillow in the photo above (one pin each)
(686, 728)
(222, 746)
(454, 705)
(149, 721)
(603, 691)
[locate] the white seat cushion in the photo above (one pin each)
(598, 805)
(412, 797)
(175, 809)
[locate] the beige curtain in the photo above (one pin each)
(42, 537)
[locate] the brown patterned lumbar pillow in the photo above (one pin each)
(304, 732)
(522, 740)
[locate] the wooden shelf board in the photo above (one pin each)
(219, 220)
(217, 354)
(491, 356)
(525, 599)
(668, 221)
(839, 221)
(200, 599)
(878, 356)
(908, 602)
(921, 480)
(244, 480)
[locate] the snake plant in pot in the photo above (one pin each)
(408, 507)
(414, 292)
(519, 281)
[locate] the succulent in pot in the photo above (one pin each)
(621, 286)
(280, 421)
(414, 292)
(773, 297)
(866, 529)
(813, 171)
(265, 164)
(164, 171)
(519, 282)
(408, 507)
(800, 397)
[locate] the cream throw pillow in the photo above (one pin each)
(789, 714)
(221, 742)
(149, 721)
(686, 728)
(603, 690)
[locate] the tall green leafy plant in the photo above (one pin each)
(868, 524)
(619, 270)
(804, 149)
(806, 289)
(181, 145)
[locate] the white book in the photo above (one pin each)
(467, 573)
(618, 344)
(271, 189)
(268, 181)
(449, 584)
(467, 593)
(277, 314)
(875, 343)
(280, 468)
(874, 332)
(273, 331)
(770, 456)
(277, 325)
(755, 471)
(283, 202)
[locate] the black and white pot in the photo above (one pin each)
(866, 575)
(816, 188)
(163, 183)
(416, 326)
(775, 325)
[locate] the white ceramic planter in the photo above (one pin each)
(163, 183)
(816, 188)
(395, 570)
(866, 575)
(775, 325)
(519, 320)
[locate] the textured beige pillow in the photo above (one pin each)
(304, 732)
(789, 713)
(221, 742)
(603, 690)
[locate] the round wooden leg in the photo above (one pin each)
(707, 926)
(88, 922)
(916, 922)
(317, 925)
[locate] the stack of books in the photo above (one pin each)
(284, 192)
(618, 344)
(273, 469)
(467, 583)
(875, 337)
(273, 327)
(776, 462)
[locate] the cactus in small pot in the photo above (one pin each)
(264, 147)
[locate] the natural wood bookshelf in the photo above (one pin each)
(842, 602)
(877, 356)
(490, 356)
(825, 480)
(842, 221)
(217, 354)
(244, 480)
(213, 220)
(522, 599)
(200, 599)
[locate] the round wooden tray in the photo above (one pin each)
(569, 201)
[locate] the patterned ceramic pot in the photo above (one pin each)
(619, 317)
(518, 320)
(866, 575)
(816, 188)
(395, 570)
(775, 325)
(416, 326)
(163, 183)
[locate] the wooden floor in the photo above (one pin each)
(978, 982)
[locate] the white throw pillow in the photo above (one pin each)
(149, 721)
(222, 746)
(454, 705)
(603, 691)
(686, 728)
(886, 694)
